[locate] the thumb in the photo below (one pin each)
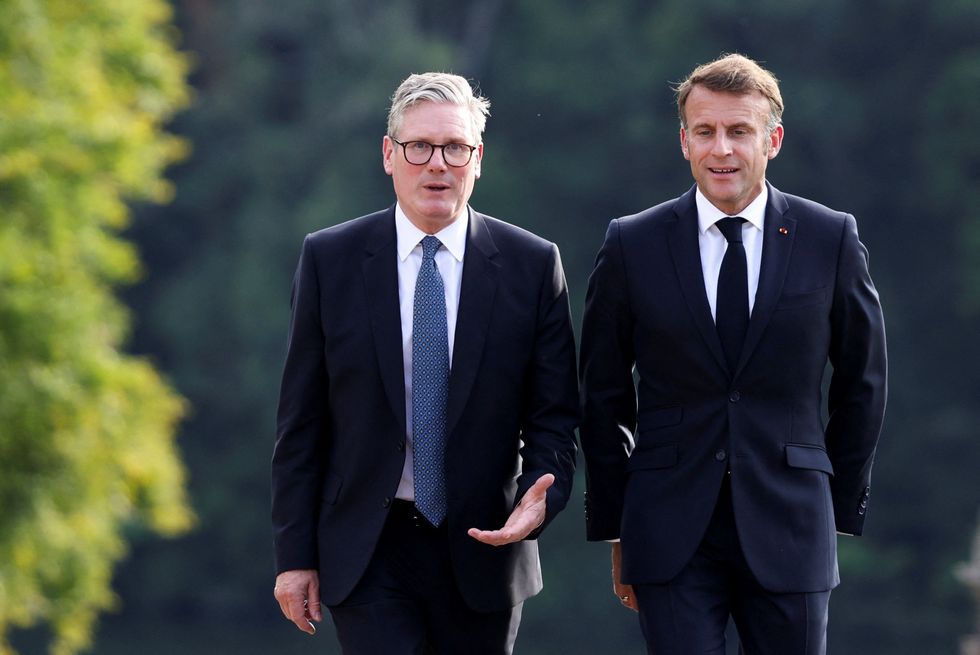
(539, 489)
(543, 484)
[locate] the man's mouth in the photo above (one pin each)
(436, 186)
(723, 171)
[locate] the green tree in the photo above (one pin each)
(86, 432)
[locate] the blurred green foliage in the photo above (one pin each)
(291, 100)
(86, 432)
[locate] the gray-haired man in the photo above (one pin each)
(428, 403)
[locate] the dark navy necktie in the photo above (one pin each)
(732, 305)
(430, 386)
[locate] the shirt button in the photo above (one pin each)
(734, 396)
(721, 455)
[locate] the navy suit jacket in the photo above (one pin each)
(512, 408)
(656, 452)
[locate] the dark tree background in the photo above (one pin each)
(291, 98)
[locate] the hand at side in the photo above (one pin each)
(623, 591)
(298, 593)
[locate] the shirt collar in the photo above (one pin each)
(453, 236)
(708, 214)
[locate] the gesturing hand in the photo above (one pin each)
(526, 517)
(298, 593)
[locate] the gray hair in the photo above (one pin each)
(441, 88)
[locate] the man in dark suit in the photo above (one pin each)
(714, 476)
(429, 396)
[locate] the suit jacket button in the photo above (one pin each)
(861, 511)
(735, 396)
(721, 455)
(386, 502)
(401, 445)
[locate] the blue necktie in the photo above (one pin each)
(732, 305)
(430, 386)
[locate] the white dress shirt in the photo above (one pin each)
(713, 243)
(449, 262)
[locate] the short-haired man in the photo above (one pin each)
(429, 396)
(714, 476)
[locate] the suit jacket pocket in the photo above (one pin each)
(659, 417)
(657, 457)
(808, 456)
(794, 300)
(331, 488)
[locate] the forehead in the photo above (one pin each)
(707, 106)
(435, 121)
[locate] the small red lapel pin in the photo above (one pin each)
(783, 231)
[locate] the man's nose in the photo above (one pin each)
(437, 161)
(721, 145)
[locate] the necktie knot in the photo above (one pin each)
(430, 245)
(731, 227)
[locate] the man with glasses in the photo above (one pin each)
(428, 403)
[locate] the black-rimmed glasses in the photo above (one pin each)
(420, 152)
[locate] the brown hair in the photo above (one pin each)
(736, 74)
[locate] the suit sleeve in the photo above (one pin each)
(858, 386)
(608, 392)
(297, 461)
(551, 412)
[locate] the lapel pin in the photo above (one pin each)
(783, 230)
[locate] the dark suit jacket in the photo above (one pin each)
(512, 409)
(794, 480)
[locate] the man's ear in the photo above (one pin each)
(479, 161)
(775, 141)
(387, 152)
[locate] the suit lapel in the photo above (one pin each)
(380, 269)
(686, 253)
(777, 245)
(477, 289)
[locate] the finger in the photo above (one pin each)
(313, 604)
(493, 537)
(626, 596)
(282, 597)
(297, 614)
(519, 525)
(540, 488)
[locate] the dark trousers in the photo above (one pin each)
(688, 615)
(407, 602)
